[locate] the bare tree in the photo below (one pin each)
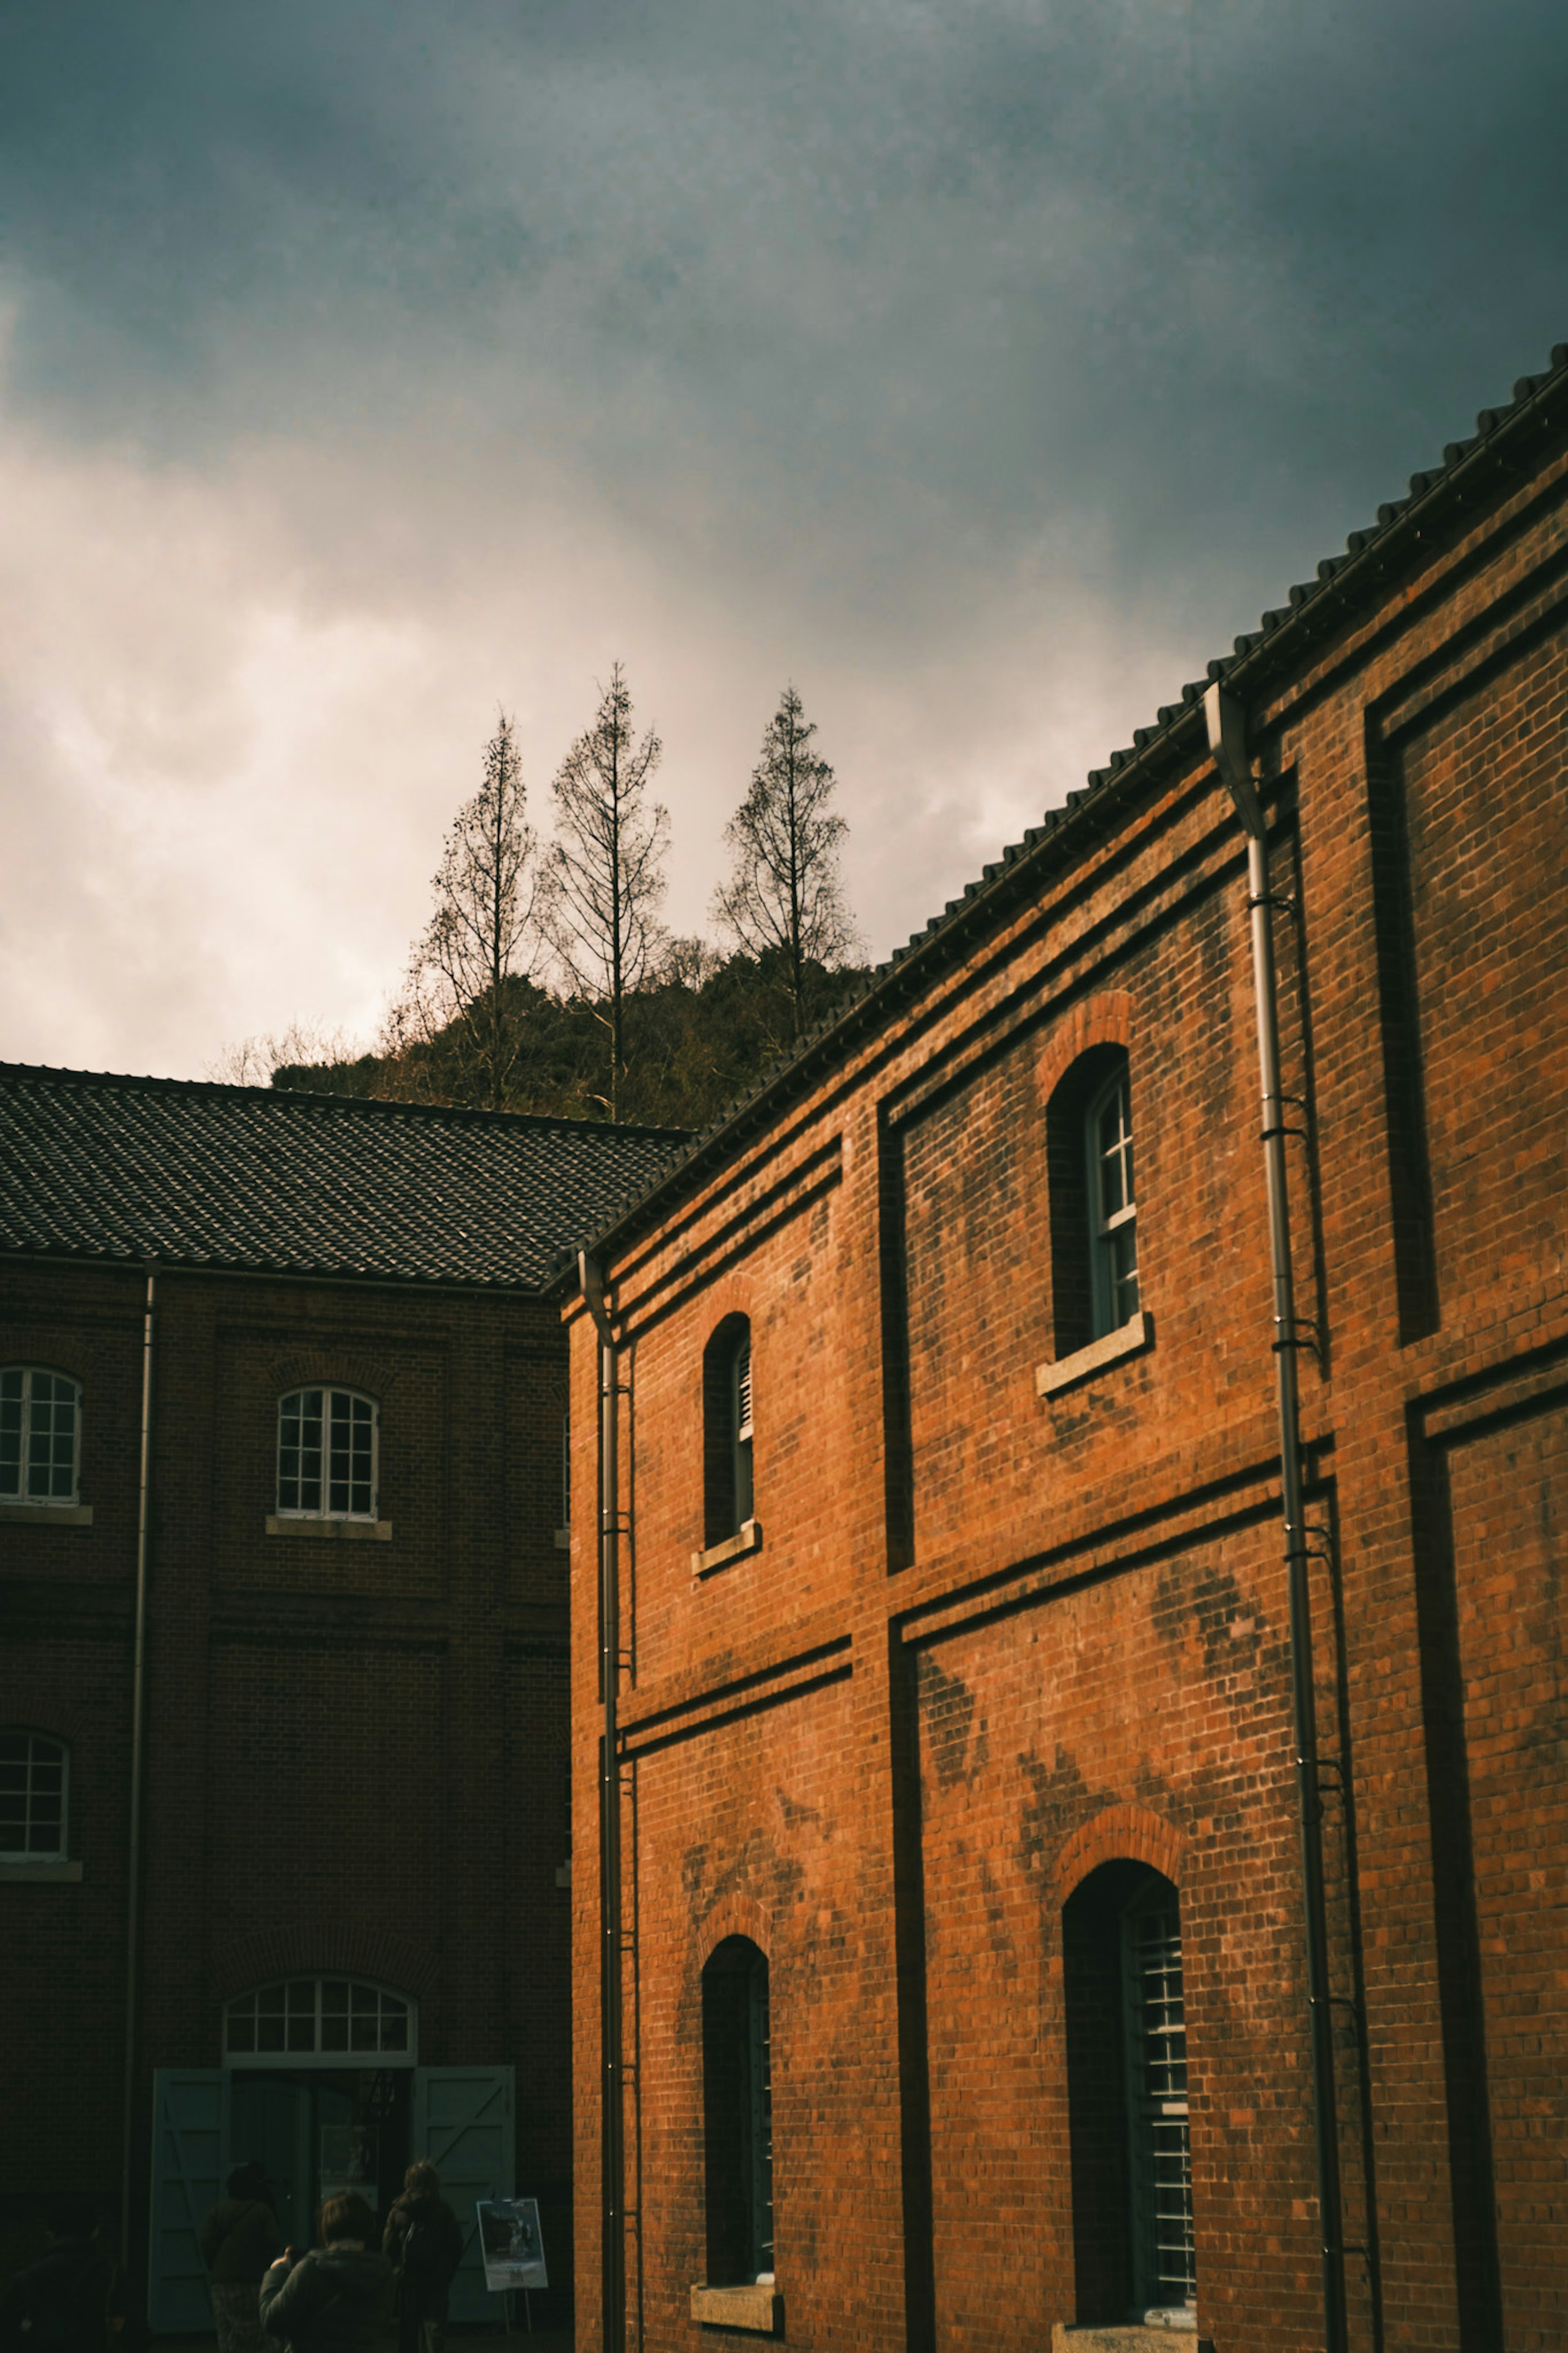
(307, 1045)
(608, 867)
(491, 890)
(783, 895)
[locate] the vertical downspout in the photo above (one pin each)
(612, 2128)
(138, 1711)
(1227, 742)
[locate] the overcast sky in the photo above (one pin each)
(982, 367)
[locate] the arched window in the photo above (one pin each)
(320, 2022)
(327, 1441)
(728, 1496)
(738, 2114)
(40, 1430)
(1093, 1206)
(1127, 2096)
(34, 1790)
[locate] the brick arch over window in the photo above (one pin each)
(268, 1953)
(1117, 1834)
(1103, 1019)
(733, 1915)
(343, 1368)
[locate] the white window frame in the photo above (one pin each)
(328, 1390)
(740, 1427)
(38, 1853)
(302, 2000)
(1107, 1230)
(23, 1492)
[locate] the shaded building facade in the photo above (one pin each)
(282, 1568)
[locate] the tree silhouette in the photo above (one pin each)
(783, 897)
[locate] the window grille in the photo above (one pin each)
(320, 2022)
(760, 2030)
(33, 1777)
(40, 1433)
(1112, 1203)
(327, 1454)
(1165, 2259)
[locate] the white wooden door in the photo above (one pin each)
(190, 2156)
(463, 2124)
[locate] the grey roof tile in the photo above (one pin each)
(191, 1174)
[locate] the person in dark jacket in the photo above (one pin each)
(338, 2298)
(239, 2239)
(72, 2300)
(424, 2240)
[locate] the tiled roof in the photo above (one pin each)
(1314, 608)
(100, 1167)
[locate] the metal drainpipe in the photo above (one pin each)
(138, 1710)
(612, 2088)
(1227, 742)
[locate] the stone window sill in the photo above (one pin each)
(46, 1515)
(1172, 2336)
(1137, 1332)
(283, 1523)
(747, 1538)
(58, 1874)
(760, 2308)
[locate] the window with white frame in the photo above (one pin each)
(40, 1434)
(741, 1409)
(1112, 1203)
(35, 1789)
(320, 2022)
(327, 1444)
(726, 1421)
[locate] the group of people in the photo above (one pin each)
(338, 2297)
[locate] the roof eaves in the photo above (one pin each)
(1311, 608)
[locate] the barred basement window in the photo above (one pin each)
(327, 1454)
(738, 2114)
(35, 1775)
(317, 2022)
(41, 1429)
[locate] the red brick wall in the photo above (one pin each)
(992, 1641)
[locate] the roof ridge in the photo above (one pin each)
(294, 1098)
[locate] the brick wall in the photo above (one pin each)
(994, 1642)
(356, 1754)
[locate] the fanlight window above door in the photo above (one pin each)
(320, 2022)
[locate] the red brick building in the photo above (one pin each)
(351, 1831)
(956, 1925)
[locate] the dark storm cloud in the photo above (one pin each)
(988, 366)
